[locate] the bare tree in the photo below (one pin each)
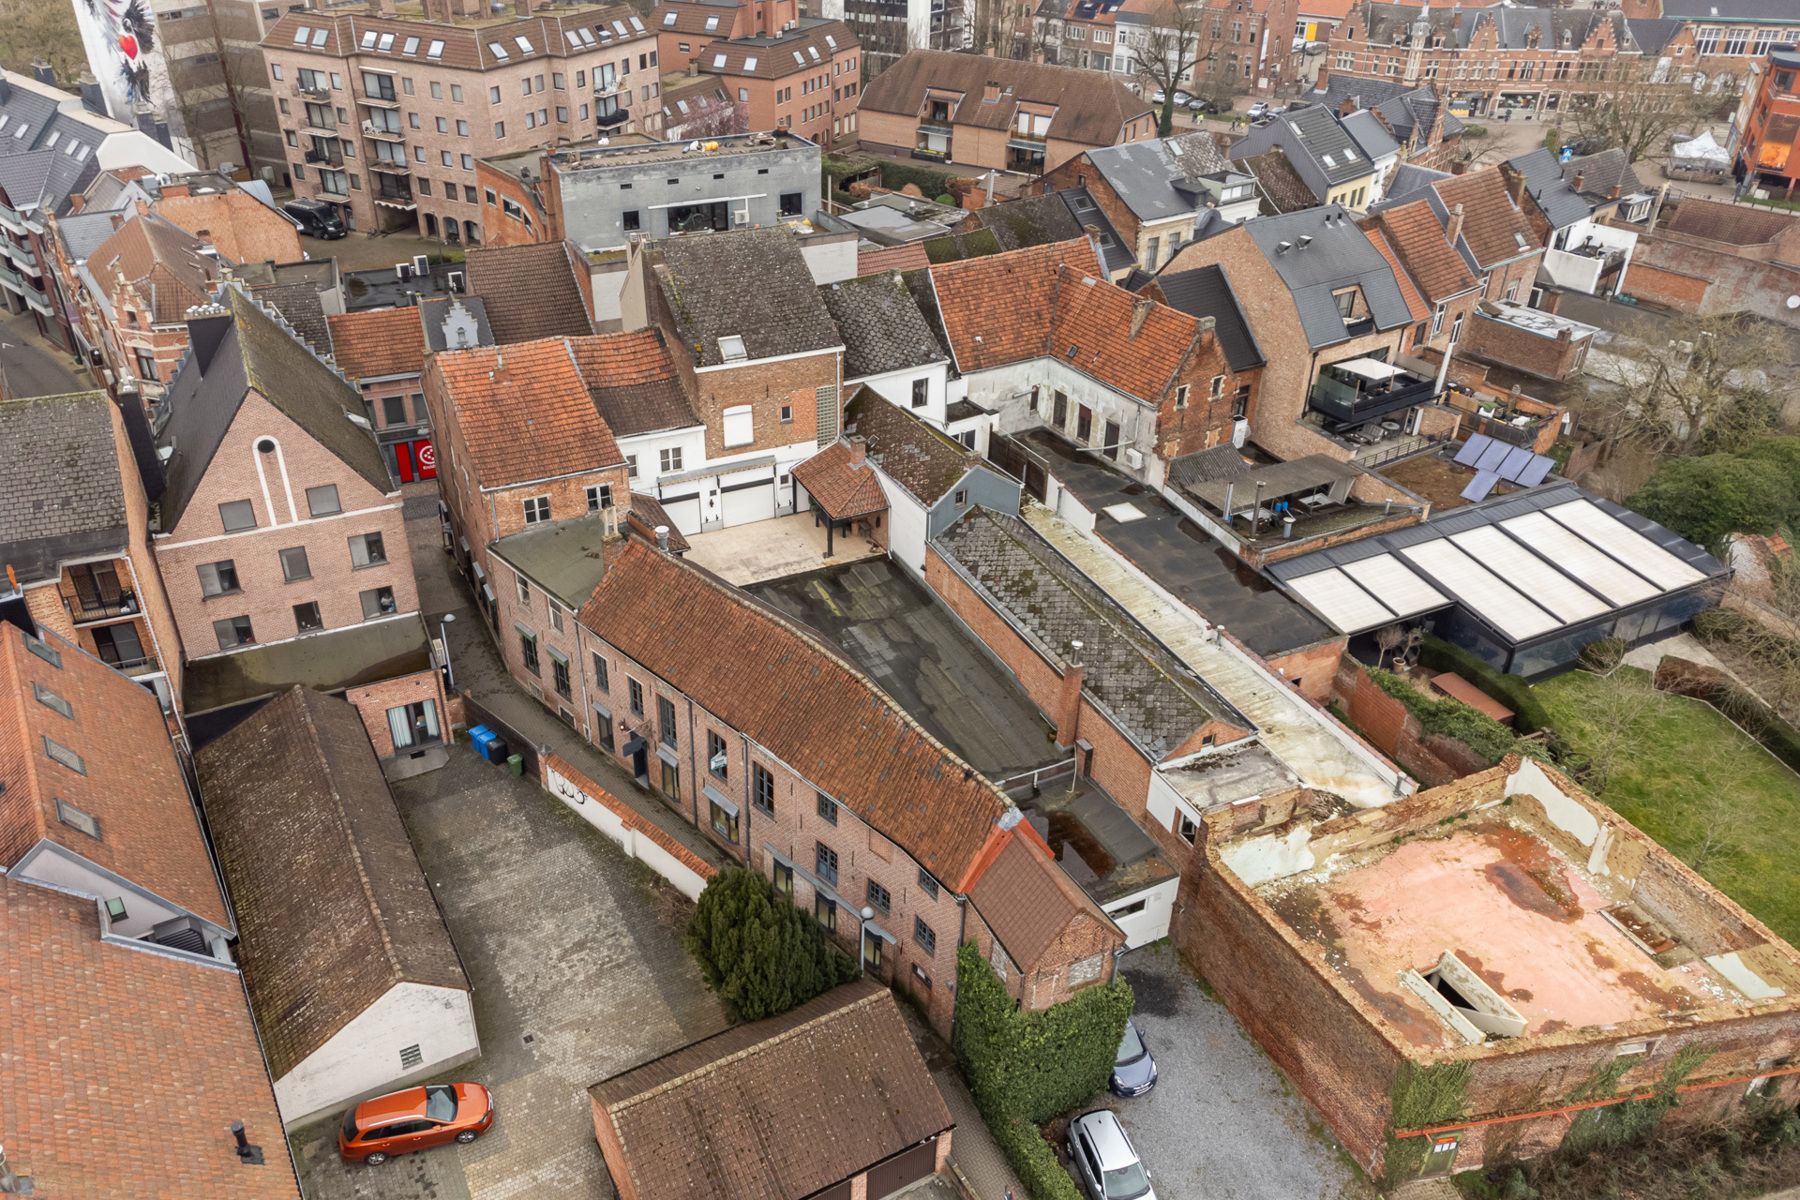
(995, 26)
(1387, 640)
(1636, 109)
(721, 118)
(1624, 700)
(1720, 809)
(1182, 36)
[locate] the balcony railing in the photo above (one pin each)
(379, 101)
(39, 301)
(1348, 406)
(324, 159)
(85, 609)
(382, 133)
(616, 117)
(10, 278)
(146, 665)
(325, 127)
(402, 167)
(312, 92)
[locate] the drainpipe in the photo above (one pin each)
(693, 784)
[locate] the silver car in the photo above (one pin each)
(1104, 1159)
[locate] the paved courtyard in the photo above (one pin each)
(773, 549)
(575, 955)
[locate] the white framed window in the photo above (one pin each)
(740, 426)
(537, 508)
(671, 457)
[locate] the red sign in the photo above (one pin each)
(415, 460)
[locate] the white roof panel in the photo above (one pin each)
(1484, 592)
(1340, 601)
(1625, 544)
(1580, 559)
(1394, 584)
(1519, 566)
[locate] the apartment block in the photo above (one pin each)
(804, 75)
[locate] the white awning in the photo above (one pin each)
(1368, 368)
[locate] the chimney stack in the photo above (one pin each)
(1614, 192)
(523, 7)
(1068, 698)
(662, 538)
(1453, 230)
(1140, 311)
(1580, 178)
(1515, 185)
(859, 451)
(43, 72)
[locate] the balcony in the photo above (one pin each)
(1353, 393)
(614, 118)
(318, 92)
(379, 101)
(382, 133)
(136, 667)
(37, 300)
(104, 606)
(390, 167)
(319, 126)
(10, 278)
(322, 158)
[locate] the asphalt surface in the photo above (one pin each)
(34, 365)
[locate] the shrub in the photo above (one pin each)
(1603, 655)
(1529, 713)
(1707, 497)
(1033, 1159)
(756, 951)
(1448, 718)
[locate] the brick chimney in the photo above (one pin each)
(1580, 178)
(1140, 310)
(1613, 192)
(1515, 184)
(524, 7)
(859, 451)
(1453, 230)
(1068, 698)
(382, 8)
(1347, 106)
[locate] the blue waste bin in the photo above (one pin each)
(479, 737)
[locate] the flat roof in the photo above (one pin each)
(326, 662)
(628, 151)
(1225, 776)
(1098, 846)
(564, 558)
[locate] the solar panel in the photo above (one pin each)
(1473, 449)
(1625, 544)
(1514, 463)
(1493, 456)
(1340, 601)
(1480, 486)
(1536, 471)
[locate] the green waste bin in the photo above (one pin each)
(515, 764)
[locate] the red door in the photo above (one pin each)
(415, 460)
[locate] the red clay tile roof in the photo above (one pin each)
(1409, 291)
(525, 412)
(1493, 226)
(121, 1071)
(925, 461)
(646, 513)
(130, 781)
(377, 342)
(163, 262)
(843, 487)
(809, 1098)
(529, 291)
(1060, 304)
(237, 224)
(1414, 233)
(872, 260)
(633, 382)
(1092, 107)
(333, 908)
(1027, 900)
(783, 686)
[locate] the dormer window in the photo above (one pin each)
(1346, 303)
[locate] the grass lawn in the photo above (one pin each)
(1688, 776)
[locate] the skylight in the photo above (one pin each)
(523, 44)
(619, 28)
(435, 50)
(386, 43)
(411, 46)
(798, 59)
(718, 62)
(300, 35)
(319, 36)
(712, 23)
(637, 24)
(570, 36)
(731, 348)
(750, 63)
(498, 51)
(669, 18)
(814, 51)
(368, 40)
(831, 41)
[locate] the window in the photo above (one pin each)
(665, 720)
(411, 725)
(716, 760)
(927, 884)
(792, 204)
(76, 818)
(599, 496)
(50, 699)
(671, 780)
(872, 951)
(233, 632)
(146, 364)
(237, 514)
(537, 508)
(524, 589)
(925, 936)
(499, 129)
(960, 498)
(218, 578)
(879, 900)
(787, 414)
(377, 602)
(825, 861)
(43, 651)
(740, 426)
(671, 459)
(1346, 303)
(1186, 827)
(600, 673)
(828, 809)
(494, 95)
(322, 501)
(630, 219)
(528, 649)
(762, 788)
(724, 821)
(559, 675)
(1218, 386)
(393, 411)
(366, 550)
(603, 731)
(921, 390)
(635, 692)
(825, 911)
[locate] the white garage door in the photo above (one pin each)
(684, 511)
(749, 502)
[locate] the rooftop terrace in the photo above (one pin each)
(600, 155)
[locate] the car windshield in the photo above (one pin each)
(350, 1125)
(440, 1103)
(1132, 1047)
(1125, 1182)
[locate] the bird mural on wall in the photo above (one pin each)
(132, 30)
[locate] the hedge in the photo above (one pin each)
(1741, 707)
(1033, 1159)
(1482, 734)
(1530, 715)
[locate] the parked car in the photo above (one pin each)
(316, 218)
(1105, 1160)
(1182, 99)
(1201, 105)
(1134, 1071)
(415, 1119)
(1258, 111)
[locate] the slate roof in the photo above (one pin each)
(1115, 255)
(1730, 10)
(751, 283)
(83, 232)
(130, 782)
(296, 291)
(1409, 178)
(1561, 204)
(1371, 135)
(332, 906)
(918, 457)
(1408, 109)
(881, 326)
(1157, 701)
(1092, 107)
(843, 487)
(1339, 255)
(1413, 231)
(1602, 172)
(42, 180)
(633, 382)
(257, 353)
(161, 261)
(1206, 292)
(1144, 174)
(525, 412)
(528, 291)
(781, 684)
(378, 342)
(1319, 140)
(64, 495)
(813, 1097)
(435, 310)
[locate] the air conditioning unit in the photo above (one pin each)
(403, 270)
(456, 281)
(421, 264)
(1134, 458)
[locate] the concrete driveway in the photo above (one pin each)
(35, 365)
(1222, 1123)
(575, 954)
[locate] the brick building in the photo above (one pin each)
(143, 280)
(997, 114)
(804, 76)
(280, 538)
(683, 27)
(77, 536)
(1421, 251)
(1771, 125)
(111, 905)
(1557, 944)
(385, 115)
(1242, 46)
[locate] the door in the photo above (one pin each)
(1084, 423)
(746, 502)
(1110, 447)
(684, 511)
(640, 762)
(1442, 1155)
(118, 645)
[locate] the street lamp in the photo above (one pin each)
(444, 622)
(862, 935)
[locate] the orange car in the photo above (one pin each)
(415, 1119)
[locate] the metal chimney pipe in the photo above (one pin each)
(662, 538)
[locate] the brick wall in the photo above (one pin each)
(1384, 720)
(1311, 669)
(1506, 345)
(1519, 275)
(1078, 172)
(1659, 285)
(1698, 276)
(500, 228)
(1206, 419)
(373, 701)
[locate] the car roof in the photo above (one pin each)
(394, 1106)
(307, 203)
(1108, 1138)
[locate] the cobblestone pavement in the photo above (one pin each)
(575, 955)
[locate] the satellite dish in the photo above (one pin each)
(1793, 301)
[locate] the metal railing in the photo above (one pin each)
(1392, 450)
(101, 608)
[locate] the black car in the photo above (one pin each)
(1134, 1071)
(316, 218)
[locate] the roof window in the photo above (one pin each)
(368, 40)
(300, 35)
(76, 818)
(411, 46)
(524, 44)
(731, 348)
(435, 50)
(386, 43)
(669, 18)
(498, 51)
(718, 62)
(750, 63)
(43, 650)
